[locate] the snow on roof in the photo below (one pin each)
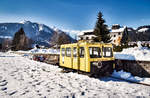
(84, 31)
(143, 29)
(87, 35)
(118, 30)
(115, 25)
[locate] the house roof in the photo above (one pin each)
(118, 30)
(85, 32)
(87, 35)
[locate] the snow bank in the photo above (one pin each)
(43, 51)
(136, 53)
(128, 76)
(47, 51)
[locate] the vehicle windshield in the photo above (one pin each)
(107, 52)
(95, 52)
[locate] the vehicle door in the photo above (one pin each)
(75, 58)
(68, 59)
(82, 59)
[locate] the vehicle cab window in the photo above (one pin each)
(95, 52)
(107, 52)
(68, 52)
(74, 52)
(82, 52)
(63, 52)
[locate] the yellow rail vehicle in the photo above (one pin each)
(93, 58)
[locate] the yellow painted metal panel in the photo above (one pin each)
(68, 62)
(82, 64)
(75, 63)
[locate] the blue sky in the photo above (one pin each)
(76, 14)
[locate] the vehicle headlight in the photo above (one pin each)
(94, 63)
(97, 64)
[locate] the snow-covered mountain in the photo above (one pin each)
(143, 33)
(143, 28)
(39, 33)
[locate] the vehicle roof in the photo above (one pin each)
(86, 43)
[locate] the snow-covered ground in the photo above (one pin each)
(136, 53)
(46, 51)
(128, 76)
(21, 77)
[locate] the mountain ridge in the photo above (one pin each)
(39, 33)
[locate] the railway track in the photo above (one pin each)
(130, 81)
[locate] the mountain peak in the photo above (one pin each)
(25, 22)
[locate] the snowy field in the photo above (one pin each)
(24, 78)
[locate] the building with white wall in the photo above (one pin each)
(86, 35)
(116, 34)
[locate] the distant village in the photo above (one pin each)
(121, 34)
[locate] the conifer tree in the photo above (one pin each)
(60, 38)
(63, 39)
(6, 44)
(20, 41)
(0, 46)
(101, 30)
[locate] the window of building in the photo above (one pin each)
(119, 33)
(87, 38)
(114, 35)
(68, 52)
